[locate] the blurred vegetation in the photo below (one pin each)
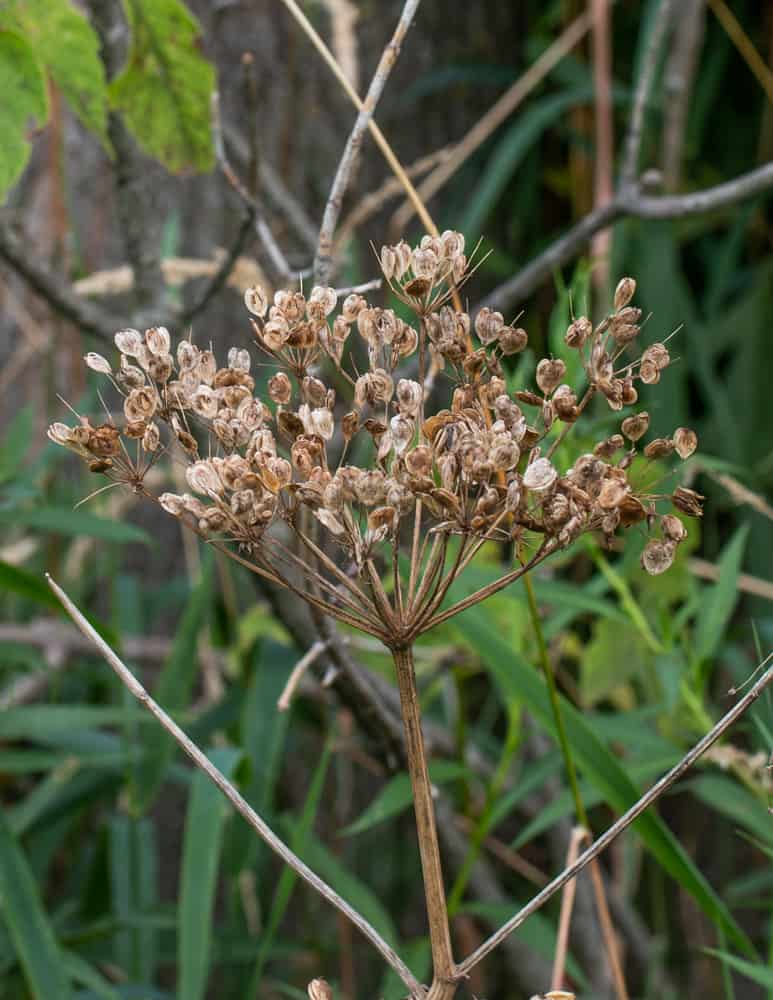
(123, 874)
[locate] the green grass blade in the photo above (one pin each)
(207, 809)
(517, 679)
(30, 930)
(721, 597)
(174, 687)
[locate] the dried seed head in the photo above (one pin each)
(685, 441)
(657, 556)
(625, 291)
(636, 426)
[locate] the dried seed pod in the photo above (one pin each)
(672, 528)
(688, 501)
(625, 291)
(636, 426)
(140, 404)
(319, 989)
(550, 372)
(158, 340)
(409, 397)
(129, 342)
(577, 333)
(97, 363)
(657, 556)
(659, 448)
(540, 475)
(512, 340)
(280, 388)
(256, 301)
(685, 441)
(488, 325)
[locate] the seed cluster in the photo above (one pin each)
(354, 482)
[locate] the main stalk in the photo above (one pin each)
(444, 981)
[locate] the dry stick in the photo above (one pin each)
(237, 801)
(494, 117)
(296, 675)
(745, 45)
(579, 834)
(607, 930)
(679, 80)
(633, 139)
(323, 258)
(375, 131)
(263, 230)
(621, 825)
(604, 128)
(429, 850)
(633, 205)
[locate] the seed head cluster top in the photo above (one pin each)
(332, 498)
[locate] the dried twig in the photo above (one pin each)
(604, 129)
(622, 824)
(239, 803)
(578, 837)
(323, 260)
(633, 139)
(351, 93)
(633, 205)
(679, 79)
(493, 118)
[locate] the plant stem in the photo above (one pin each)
(443, 986)
(547, 669)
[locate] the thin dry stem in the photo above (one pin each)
(622, 824)
(323, 259)
(493, 118)
(239, 803)
(578, 836)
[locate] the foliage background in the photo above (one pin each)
(122, 874)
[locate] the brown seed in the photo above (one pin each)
(625, 291)
(688, 501)
(659, 448)
(636, 426)
(685, 441)
(578, 332)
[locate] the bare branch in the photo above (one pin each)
(323, 259)
(56, 291)
(634, 205)
(622, 824)
(237, 801)
(641, 98)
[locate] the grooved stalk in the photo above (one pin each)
(444, 969)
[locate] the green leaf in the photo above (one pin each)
(517, 679)
(395, 797)
(15, 443)
(29, 721)
(24, 97)
(65, 521)
(207, 809)
(721, 597)
(353, 890)
(736, 802)
(164, 90)
(80, 971)
(66, 44)
(174, 687)
(27, 585)
(31, 932)
(762, 974)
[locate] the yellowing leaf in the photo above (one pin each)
(165, 88)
